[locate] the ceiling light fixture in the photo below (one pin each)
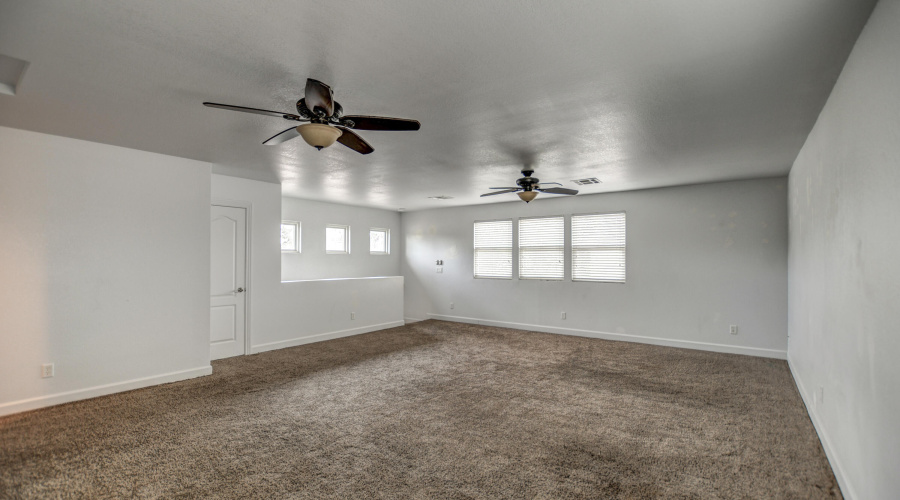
(318, 135)
(527, 196)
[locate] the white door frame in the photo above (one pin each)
(248, 284)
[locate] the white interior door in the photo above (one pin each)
(227, 283)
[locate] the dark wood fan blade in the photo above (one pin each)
(319, 95)
(507, 187)
(284, 135)
(361, 122)
(354, 142)
(510, 190)
(277, 114)
(558, 191)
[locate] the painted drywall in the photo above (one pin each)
(844, 270)
(313, 263)
(287, 314)
(699, 258)
(317, 310)
(104, 260)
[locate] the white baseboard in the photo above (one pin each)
(685, 344)
(843, 481)
(100, 390)
(320, 337)
(409, 320)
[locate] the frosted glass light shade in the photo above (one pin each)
(319, 135)
(527, 195)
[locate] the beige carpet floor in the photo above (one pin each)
(435, 410)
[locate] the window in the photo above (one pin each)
(337, 239)
(379, 241)
(290, 236)
(598, 247)
(542, 248)
(493, 249)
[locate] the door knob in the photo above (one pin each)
(239, 290)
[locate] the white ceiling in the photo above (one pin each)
(637, 93)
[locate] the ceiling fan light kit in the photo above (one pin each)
(319, 135)
(528, 187)
(527, 196)
(326, 122)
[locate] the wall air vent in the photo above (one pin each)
(585, 182)
(440, 197)
(11, 71)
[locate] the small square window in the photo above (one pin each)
(379, 241)
(290, 236)
(337, 239)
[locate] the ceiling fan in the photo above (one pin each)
(529, 186)
(327, 122)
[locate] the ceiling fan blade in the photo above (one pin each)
(284, 135)
(558, 190)
(319, 95)
(548, 183)
(507, 187)
(354, 142)
(510, 190)
(277, 114)
(361, 122)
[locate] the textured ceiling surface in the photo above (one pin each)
(639, 94)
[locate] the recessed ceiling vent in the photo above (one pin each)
(585, 182)
(11, 71)
(441, 197)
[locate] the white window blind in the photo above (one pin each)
(542, 248)
(598, 247)
(493, 249)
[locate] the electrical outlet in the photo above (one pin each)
(452, 305)
(353, 315)
(733, 329)
(562, 315)
(439, 269)
(47, 370)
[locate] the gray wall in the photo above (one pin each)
(313, 263)
(844, 265)
(700, 258)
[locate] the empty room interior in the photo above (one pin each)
(503, 249)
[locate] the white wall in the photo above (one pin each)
(313, 263)
(104, 261)
(844, 268)
(264, 271)
(287, 314)
(317, 310)
(700, 258)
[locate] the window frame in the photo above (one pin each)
(623, 247)
(387, 240)
(561, 247)
(297, 241)
(512, 229)
(346, 229)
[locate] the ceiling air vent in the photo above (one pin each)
(440, 197)
(585, 182)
